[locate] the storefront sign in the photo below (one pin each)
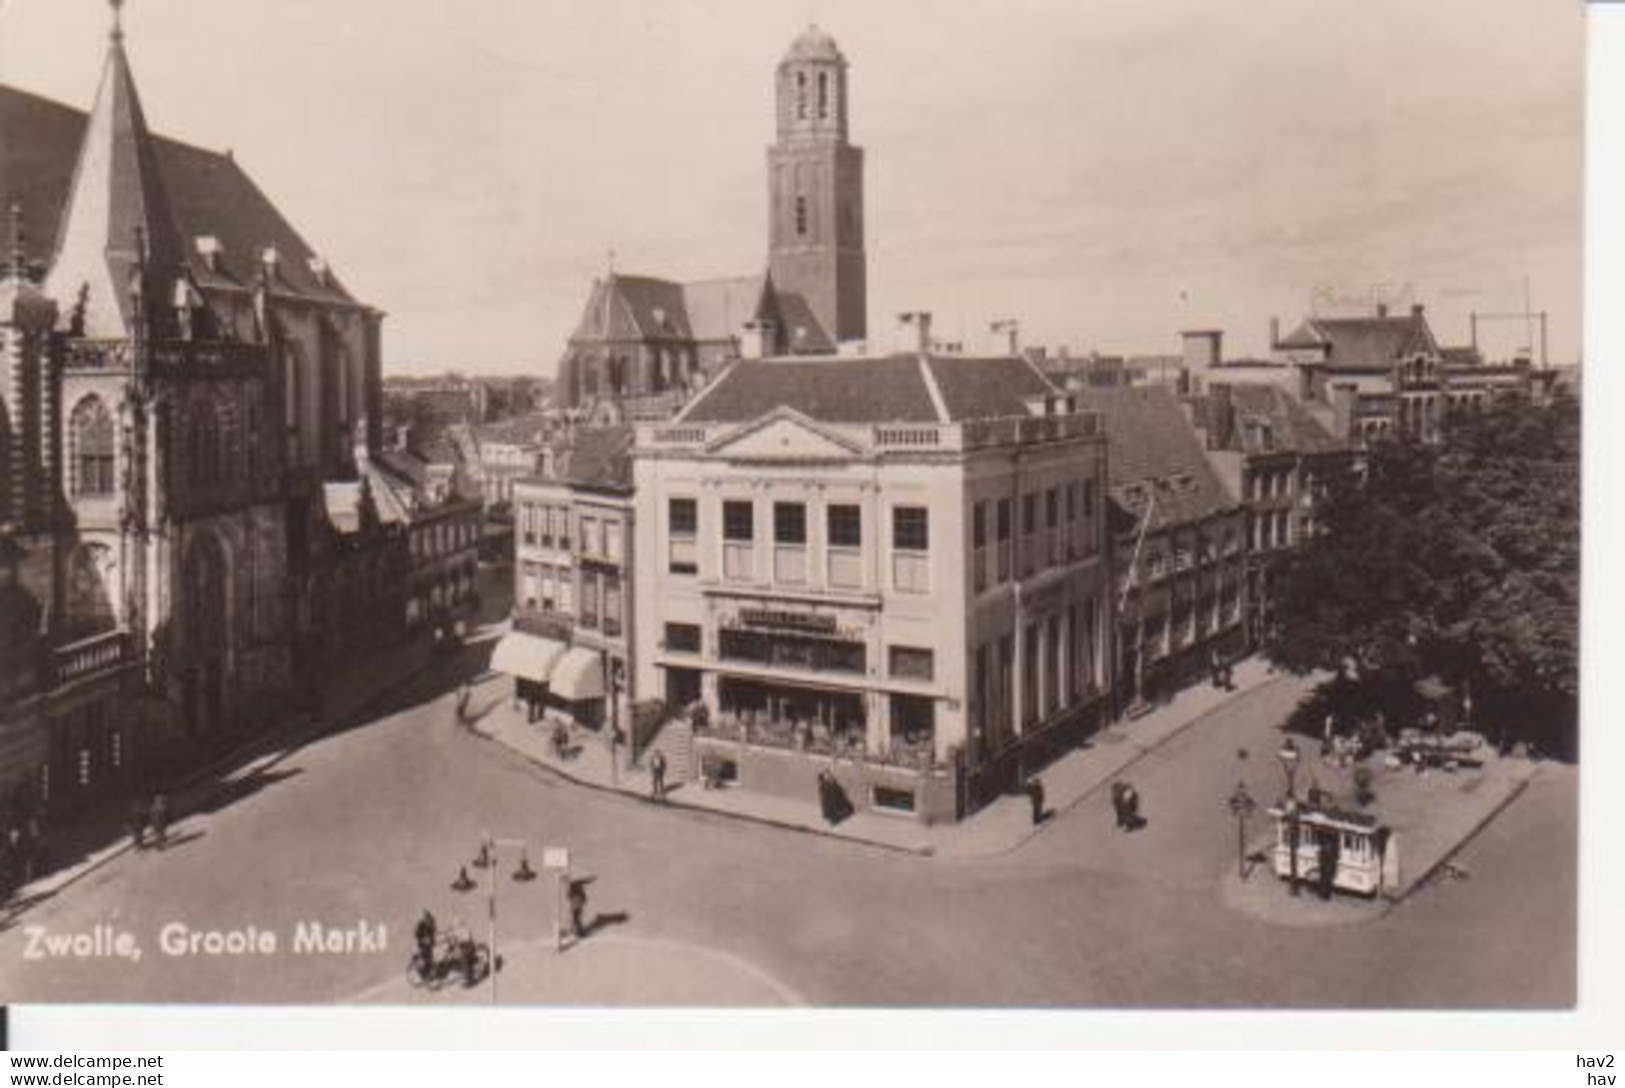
(788, 621)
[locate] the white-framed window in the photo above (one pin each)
(911, 549)
(682, 533)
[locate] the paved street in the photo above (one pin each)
(371, 825)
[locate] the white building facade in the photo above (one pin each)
(862, 597)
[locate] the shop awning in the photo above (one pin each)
(529, 657)
(579, 675)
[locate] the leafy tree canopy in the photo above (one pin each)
(1460, 560)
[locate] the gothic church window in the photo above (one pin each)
(801, 96)
(823, 95)
(205, 446)
(801, 215)
(93, 436)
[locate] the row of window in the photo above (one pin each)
(1058, 669)
(843, 538)
(1272, 530)
(903, 662)
(1187, 623)
(1267, 484)
(443, 538)
(550, 526)
(1057, 526)
(823, 95)
(597, 602)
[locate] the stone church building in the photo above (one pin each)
(180, 377)
(644, 343)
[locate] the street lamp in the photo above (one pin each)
(1289, 762)
(487, 859)
(1241, 806)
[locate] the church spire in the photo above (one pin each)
(116, 205)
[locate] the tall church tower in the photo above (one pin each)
(815, 192)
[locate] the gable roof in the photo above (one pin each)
(1152, 449)
(718, 309)
(622, 307)
(208, 195)
(1291, 427)
(1364, 343)
(903, 388)
(596, 457)
(983, 388)
(799, 329)
(531, 429)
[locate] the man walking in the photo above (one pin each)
(657, 775)
(1035, 795)
(578, 908)
(160, 820)
(138, 822)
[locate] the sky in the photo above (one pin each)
(1107, 172)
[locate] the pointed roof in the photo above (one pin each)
(719, 309)
(1365, 343)
(1153, 449)
(116, 203)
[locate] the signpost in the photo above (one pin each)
(557, 860)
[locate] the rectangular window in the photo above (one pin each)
(1029, 676)
(739, 521)
(612, 540)
(738, 534)
(683, 638)
(1004, 525)
(845, 526)
(590, 544)
(612, 605)
(564, 528)
(790, 542)
(567, 591)
(682, 527)
(1029, 529)
(589, 601)
(911, 662)
(845, 532)
(911, 528)
(789, 523)
(1052, 526)
(979, 547)
(911, 543)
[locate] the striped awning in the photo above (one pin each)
(526, 656)
(579, 675)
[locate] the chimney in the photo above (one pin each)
(1382, 309)
(1221, 416)
(1416, 310)
(757, 340)
(921, 322)
(1275, 333)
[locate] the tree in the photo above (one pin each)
(1460, 560)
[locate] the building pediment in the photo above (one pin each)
(785, 435)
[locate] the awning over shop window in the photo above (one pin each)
(528, 657)
(579, 675)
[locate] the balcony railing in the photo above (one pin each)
(88, 657)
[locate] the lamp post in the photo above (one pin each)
(1289, 762)
(1241, 806)
(487, 859)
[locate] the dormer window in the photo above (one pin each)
(209, 248)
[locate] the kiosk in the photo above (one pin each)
(1363, 853)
